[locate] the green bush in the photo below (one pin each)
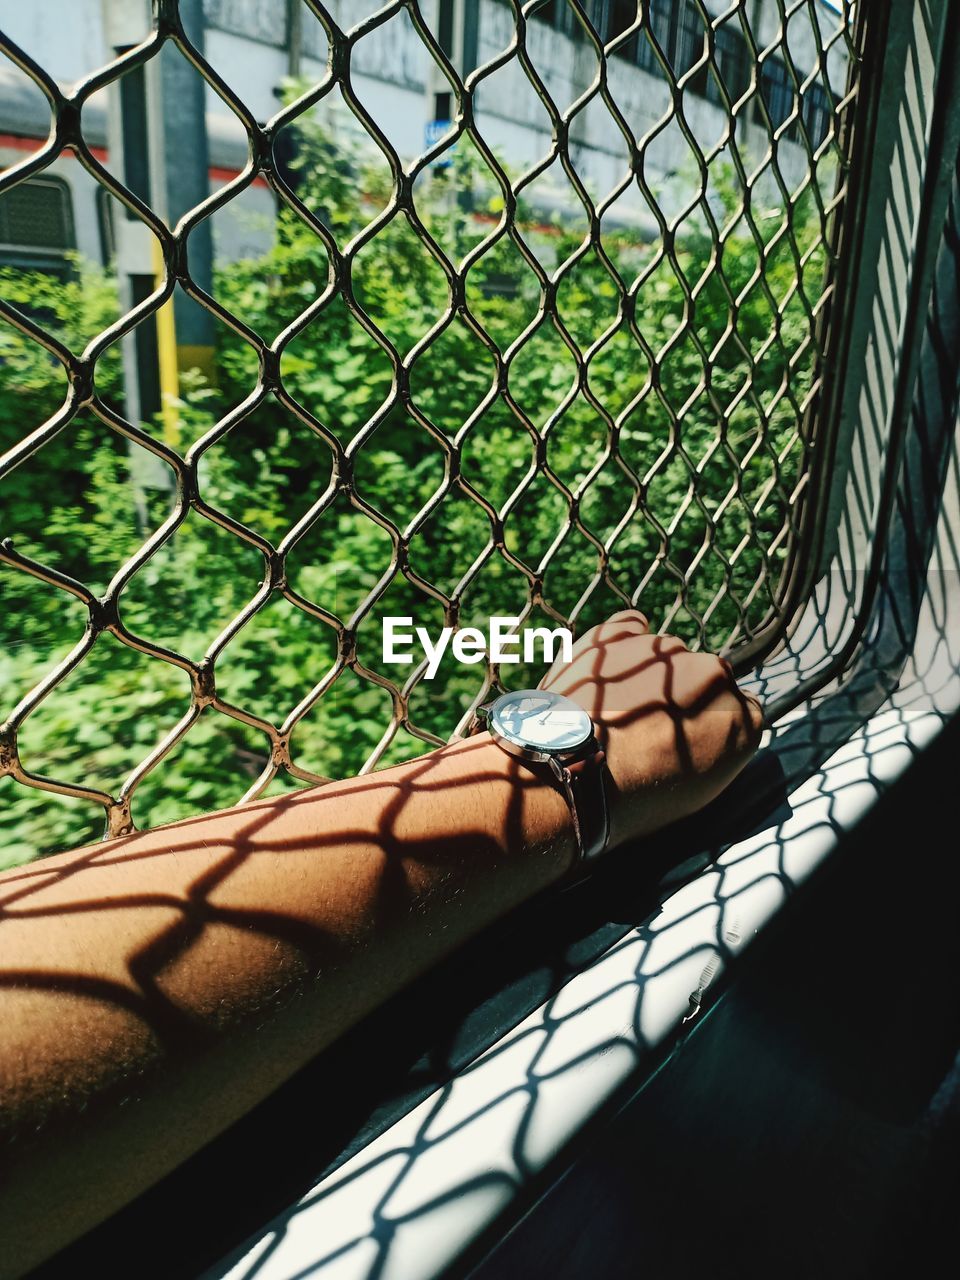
(79, 506)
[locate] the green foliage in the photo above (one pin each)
(703, 437)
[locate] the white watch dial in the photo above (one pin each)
(540, 720)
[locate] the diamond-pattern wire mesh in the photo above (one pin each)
(752, 601)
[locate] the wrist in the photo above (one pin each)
(517, 804)
(555, 739)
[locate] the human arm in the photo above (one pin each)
(153, 989)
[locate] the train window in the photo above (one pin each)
(731, 65)
(660, 25)
(776, 91)
(559, 15)
(690, 38)
(36, 225)
(817, 113)
(620, 15)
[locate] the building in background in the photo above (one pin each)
(256, 45)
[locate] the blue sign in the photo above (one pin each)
(433, 131)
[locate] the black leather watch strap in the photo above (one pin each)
(583, 781)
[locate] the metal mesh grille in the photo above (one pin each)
(783, 147)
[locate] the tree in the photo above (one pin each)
(705, 415)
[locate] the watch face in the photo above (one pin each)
(540, 721)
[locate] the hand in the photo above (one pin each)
(675, 727)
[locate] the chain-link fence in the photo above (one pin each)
(479, 384)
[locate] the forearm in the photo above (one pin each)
(191, 969)
(152, 990)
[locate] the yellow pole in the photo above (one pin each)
(167, 360)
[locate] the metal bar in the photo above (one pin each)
(943, 146)
(823, 413)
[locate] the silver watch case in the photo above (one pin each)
(571, 741)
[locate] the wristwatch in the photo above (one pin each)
(540, 727)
